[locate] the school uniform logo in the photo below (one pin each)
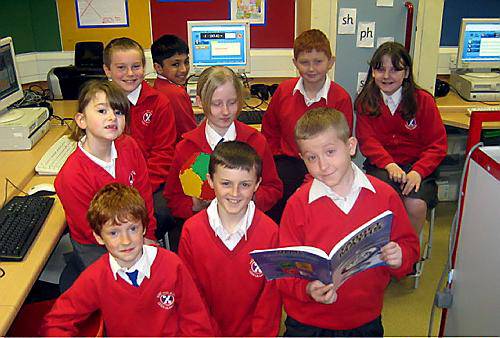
(131, 178)
(166, 299)
(147, 117)
(255, 270)
(412, 124)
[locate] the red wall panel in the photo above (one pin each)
(278, 31)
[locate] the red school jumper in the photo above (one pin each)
(322, 224)
(388, 138)
(81, 178)
(152, 125)
(181, 105)
(285, 109)
(165, 305)
(238, 297)
(270, 189)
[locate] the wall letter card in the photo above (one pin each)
(366, 34)
(347, 21)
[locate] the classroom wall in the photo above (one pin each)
(33, 25)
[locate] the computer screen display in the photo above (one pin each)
(479, 45)
(10, 86)
(219, 43)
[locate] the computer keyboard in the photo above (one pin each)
(20, 221)
(251, 116)
(54, 158)
(482, 108)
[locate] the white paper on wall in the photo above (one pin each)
(385, 3)
(384, 39)
(361, 81)
(366, 34)
(347, 21)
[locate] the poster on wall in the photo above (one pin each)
(251, 10)
(102, 13)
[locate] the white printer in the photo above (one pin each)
(22, 128)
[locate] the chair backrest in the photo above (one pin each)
(88, 54)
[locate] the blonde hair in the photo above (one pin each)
(115, 95)
(123, 44)
(211, 79)
(318, 120)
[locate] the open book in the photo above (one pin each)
(358, 251)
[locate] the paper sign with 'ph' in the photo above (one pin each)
(193, 177)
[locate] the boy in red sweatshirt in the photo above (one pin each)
(322, 212)
(151, 122)
(171, 62)
(215, 245)
(312, 56)
(140, 290)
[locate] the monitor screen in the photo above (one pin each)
(479, 45)
(10, 86)
(219, 43)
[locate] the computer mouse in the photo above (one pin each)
(43, 189)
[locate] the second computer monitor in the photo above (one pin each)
(219, 43)
(479, 45)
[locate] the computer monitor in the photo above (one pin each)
(219, 43)
(10, 86)
(479, 45)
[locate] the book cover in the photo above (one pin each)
(358, 251)
(193, 177)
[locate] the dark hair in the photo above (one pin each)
(122, 43)
(235, 155)
(118, 203)
(309, 40)
(114, 94)
(317, 120)
(369, 98)
(167, 46)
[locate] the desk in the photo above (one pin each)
(453, 111)
(19, 166)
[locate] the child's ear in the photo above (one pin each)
(210, 182)
(158, 68)
(107, 71)
(98, 238)
(258, 184)
(331, 62)
(352, 142)
(198, 101)
(80, 120)
(295, 62)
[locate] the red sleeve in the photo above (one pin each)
(143, 185)
(403, 233)
(161, 153)
(369, 144)
(270, 123)
(271, 187)
(71, 308)
(291, 234)
(180, 205)
(194, 320)
(435, 144)
(267, 316)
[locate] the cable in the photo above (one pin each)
(7, 180)
(451, 241)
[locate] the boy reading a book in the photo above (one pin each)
(322, 212)
(215, 245)
(140, 290)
